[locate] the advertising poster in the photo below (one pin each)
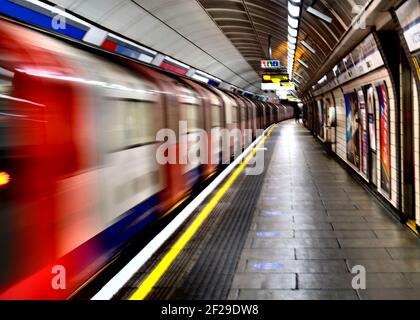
(320, 120)
(384, 137)
(330, 118)
(371, 117)
(363, 132)
(370, 103)
(352, 128)
(330, 114)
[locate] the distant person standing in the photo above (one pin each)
(297, 114)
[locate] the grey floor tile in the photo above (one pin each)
(342, 253)
(413, 279)
(297, 295)
(267, 226)
(404, 253)
(366, 226)
(325, 218)
(380, 266)
(266, 254)
(264, 281)
(379, 243)
(296, 266)
(396, 234)
(294, 243)
(285, 219)
(366, 234)
(325, 281)
(281, 234)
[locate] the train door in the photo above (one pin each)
(408, 179)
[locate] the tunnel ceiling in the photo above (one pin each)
(248, 23)
(228, 38)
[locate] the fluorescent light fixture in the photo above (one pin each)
(293, 32)
(297, 81)
(294, 10)
(303, 63)
(307, 46)
(297, 74)
(293, 22)
(291, 39)
(319, 15)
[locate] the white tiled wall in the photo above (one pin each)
(371, 78)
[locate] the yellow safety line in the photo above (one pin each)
(147, 285)
(413, 226)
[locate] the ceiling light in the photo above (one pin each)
(319, 15)
(307, 46)
(294, 10)
(293, 22)
(291, 39)
(303, 63)
(293, 32)
(297, 74)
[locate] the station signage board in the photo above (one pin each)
(270, 64)
(278, 86)
(275, 78)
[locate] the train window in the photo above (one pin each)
(216, 116)
(243, 114)
(129, 124)
(190, 114)
(234, 114)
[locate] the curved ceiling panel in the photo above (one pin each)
(228, 38)
(248, 24)
(179, 28)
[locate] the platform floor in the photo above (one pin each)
(302, 226)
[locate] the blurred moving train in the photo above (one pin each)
(78, 172)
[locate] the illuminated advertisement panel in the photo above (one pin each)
(384, 137)
(363, 132)
(320, 120)
(372, 117)
(352, 129)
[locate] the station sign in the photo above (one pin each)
(275, 78)
(270, 64)
(277, 87)
(288, 84)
